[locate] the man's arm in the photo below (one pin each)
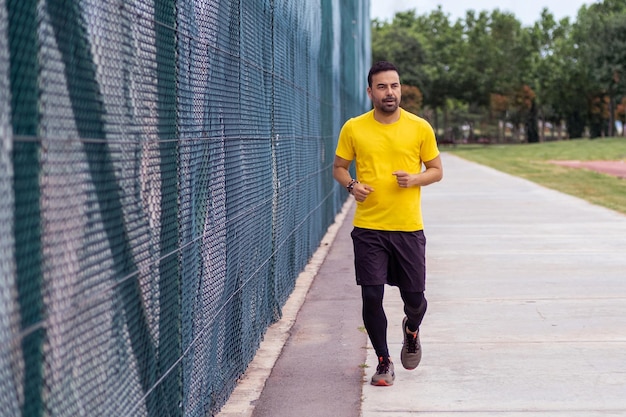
(343, 177)
(432, 173)
(340, 171)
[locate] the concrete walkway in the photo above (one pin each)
(527, 311)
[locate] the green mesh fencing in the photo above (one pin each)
(165, 174)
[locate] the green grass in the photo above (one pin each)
(530, 161)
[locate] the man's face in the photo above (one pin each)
(385, 91)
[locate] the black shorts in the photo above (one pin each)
(389, 257)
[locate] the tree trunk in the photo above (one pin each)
(611, 131)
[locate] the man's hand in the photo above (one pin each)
(404, 179)
(361, 191)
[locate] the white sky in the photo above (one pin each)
(526, 11)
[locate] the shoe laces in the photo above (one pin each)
(411, 343)
(383, 366)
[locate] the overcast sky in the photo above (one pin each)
(526, 11)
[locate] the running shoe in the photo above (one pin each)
(411, 353)
(384, 375)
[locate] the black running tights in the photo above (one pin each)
(375, 320)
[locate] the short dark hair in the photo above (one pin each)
(380, 66)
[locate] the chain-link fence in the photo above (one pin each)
(165, 173)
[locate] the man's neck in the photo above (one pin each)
(387, 118)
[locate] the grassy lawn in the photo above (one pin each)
(530, 161)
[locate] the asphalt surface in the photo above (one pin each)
(527, 314)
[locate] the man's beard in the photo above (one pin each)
(388, 107)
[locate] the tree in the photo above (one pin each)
(549, 72)
(600, 33)
(411, 98)
(550, 66)
(620, 114)
(442, 43)
(399, 43)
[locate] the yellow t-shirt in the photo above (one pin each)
(379, 150)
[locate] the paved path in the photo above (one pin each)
(311, 361)
(527, 292)
(527, 314)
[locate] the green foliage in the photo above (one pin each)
(399, 43)
(600, 33)
(569, 69)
